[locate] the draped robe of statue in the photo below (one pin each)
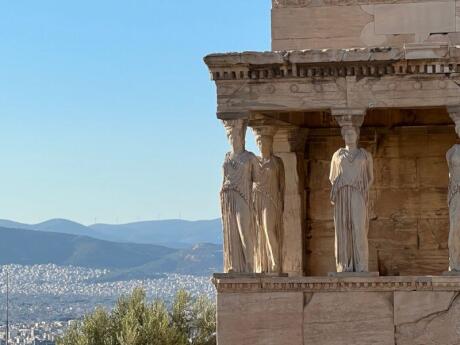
(237, 213)
(268, 194)
(350, 183)
(453, 161)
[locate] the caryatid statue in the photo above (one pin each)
(453, 161)
(351, 176)
(236, 202)
(268, 196)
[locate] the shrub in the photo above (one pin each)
(135, 321)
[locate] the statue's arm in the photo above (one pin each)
(370, 169)
(222, 169)
(333, 171)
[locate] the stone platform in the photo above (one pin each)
(258, 310)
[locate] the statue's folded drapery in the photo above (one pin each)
(268, 207)
(350, 193)
(453, 161)
(237, 214)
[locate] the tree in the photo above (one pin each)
(135, 321)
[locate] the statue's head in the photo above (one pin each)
(350, 134)
(236, 133)
(264, 139)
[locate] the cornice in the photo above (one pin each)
(363, 62)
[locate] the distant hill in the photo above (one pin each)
(28, 247)
(170, 233)
(202, 259)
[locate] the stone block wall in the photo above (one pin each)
(331, 311)
(319, 24)
(409, 222)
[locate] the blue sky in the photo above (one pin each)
(107, 112)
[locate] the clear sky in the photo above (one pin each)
(107, 112)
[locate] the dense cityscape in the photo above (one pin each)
(44, 299)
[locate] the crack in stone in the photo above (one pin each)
(404, 331)
(432, 315)
(308, 297)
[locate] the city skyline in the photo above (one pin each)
(108, 113)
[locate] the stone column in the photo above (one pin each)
(239, 233)
(351, 176)
(453, 197)
(289, 145)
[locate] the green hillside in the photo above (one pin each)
(28, 247)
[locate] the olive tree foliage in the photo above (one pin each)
(135, 321)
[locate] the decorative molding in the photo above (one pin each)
(334, 284)
(317, 64)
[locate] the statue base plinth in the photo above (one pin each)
(248, 275)
(362, 310)
(353, 274)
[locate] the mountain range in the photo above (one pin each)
(125, 260)
(179, 234)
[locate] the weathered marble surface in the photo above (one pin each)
(260, 319)
(318, 24)
(337, 311)
(356, 318)
(427, 318)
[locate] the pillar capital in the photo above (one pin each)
(264, 130)
(233, 115)
(454, 113)
(234, 122)
(349, 116)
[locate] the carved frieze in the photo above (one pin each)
(227, 284)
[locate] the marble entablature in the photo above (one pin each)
(325, 79)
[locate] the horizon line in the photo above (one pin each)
(104, 223)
